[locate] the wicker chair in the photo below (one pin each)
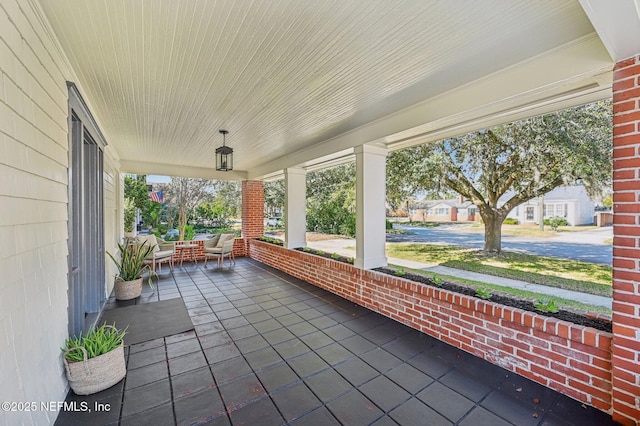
(163, 251)
(221, 250)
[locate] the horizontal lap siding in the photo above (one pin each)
(572, 359)
(34, 212)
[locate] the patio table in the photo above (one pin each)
(191, 248)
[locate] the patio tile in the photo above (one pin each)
(469, 386)
(263, 358)
(243, 331)
(139, 347)
(445, 401)
(565, 410)
(241, 391)
(261, 412)
(381, 360)
(183, 347)
(74, 418)
(146, 397)
(354, 409)
(191, 382)
(199, 407)
(356, 371)
(480, 416)
(215, 339)
(252, 343)
(384, 393)
(328, 385)
(208, 328)
(145, 375)
(415, 413)
(144, 358)
(318, 417)
(162, 414)
(277, 376)
(231, 369)
(180, 337)
(334, 354)
(430, 364)
(187, 362)
(316, 340)
(291, 349)
(357, 344)
(221, 353)
(339, 332)
(268, 325)
(278, 336)
(307, 364)
(384, 421)
(409, 378)
(295, 401)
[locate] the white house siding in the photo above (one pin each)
(34, 212)
(579, 207)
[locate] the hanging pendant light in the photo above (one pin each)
(224, 155)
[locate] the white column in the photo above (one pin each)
(295, 207)
(370, 206)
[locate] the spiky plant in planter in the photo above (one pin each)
(131, 266)
(95, 361)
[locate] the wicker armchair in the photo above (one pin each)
(163, 251)
(220, 246)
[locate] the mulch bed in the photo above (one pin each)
(527, 305)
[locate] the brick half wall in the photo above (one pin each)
(563, 356)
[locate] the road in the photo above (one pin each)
(587, 246)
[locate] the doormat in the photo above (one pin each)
(149, 321)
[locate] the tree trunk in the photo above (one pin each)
(492, 233)
(182, 221)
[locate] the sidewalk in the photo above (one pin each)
(346, 247)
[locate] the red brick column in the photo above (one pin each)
(252, 209)
(626, 242)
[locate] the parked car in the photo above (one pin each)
(275, 222)
(171, 235)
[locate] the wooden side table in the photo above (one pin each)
(192, 253)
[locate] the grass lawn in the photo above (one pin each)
(560, 302)
(562, 273)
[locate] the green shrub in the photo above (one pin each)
(555, 222)
(189, 232)
(547, 306)
(388, 225)
(483, 293)
(510, 221)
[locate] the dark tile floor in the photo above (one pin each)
(269, 349)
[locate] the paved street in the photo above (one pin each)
(587, 246)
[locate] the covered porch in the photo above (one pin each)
(270, 349)
(92, 90)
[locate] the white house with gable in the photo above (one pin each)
(570, 202)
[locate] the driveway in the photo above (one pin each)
(587, 246)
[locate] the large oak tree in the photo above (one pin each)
(519, 161)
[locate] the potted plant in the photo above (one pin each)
(95, 361)
(131, 266)
(129, 217)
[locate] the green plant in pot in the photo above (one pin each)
(129, 216)
(95, 361)
(131, 266)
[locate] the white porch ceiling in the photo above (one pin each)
(297, 82)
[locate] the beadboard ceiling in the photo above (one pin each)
(298, 82)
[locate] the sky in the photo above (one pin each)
(158, 179)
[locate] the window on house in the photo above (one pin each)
(555, 210)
